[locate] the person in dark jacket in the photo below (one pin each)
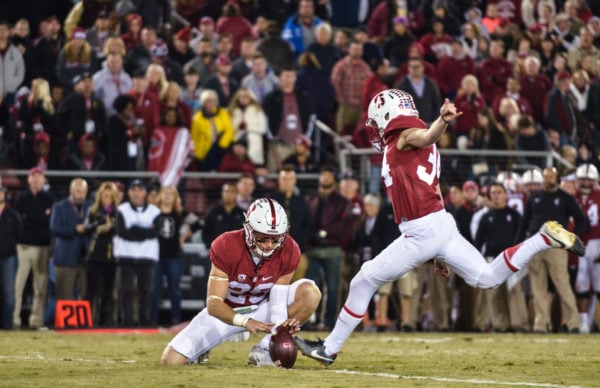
(428, 101)
(34, 206)
(101, 265)
(124, 134)
(295, 206)
(315, 82)
(332, 230)
(11, 230)
(67, 225)
(224, 217)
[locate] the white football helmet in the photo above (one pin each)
(265, 218)
(510, 180)
(384, 107)
(588, 171)
(533, 176)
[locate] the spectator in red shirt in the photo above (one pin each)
(513, 89)
(469, 102)
(452, 68)
(437, 42)
(237, 160)
(132, 37)
(535, 87)
(494, 72)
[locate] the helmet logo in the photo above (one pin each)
(379, 100)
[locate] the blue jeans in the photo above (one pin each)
(326, 270)
(173, 269)
(8, 274)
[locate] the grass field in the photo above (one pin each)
(48, 359)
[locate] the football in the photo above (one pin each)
(282, 348)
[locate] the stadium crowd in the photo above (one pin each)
(236, 86)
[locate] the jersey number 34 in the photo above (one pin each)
(433, 166)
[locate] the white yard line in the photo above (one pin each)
(42, 358)
(450, 380)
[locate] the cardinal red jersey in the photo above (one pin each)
(249, 283)
(589, 205)
(411, 180)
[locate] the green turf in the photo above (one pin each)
(48, 359)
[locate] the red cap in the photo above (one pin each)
(41, 136)
(78, 33)
(419, 47)
(36, 170)
(185, 34)
(470, 185)
(563, 74)
(207, 20)
(303, 139)
(223, 60)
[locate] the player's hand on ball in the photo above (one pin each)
(255, 326)
(292, 324)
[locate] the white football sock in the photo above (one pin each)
(359, 296)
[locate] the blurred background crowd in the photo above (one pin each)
(245, 87)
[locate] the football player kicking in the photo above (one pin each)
(410, 172)
(248, 289)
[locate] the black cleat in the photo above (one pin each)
(315, 350)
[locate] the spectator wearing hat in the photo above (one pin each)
(132, 37)
(561, 33)
(299, 29)
(75, 59)
(179, 46)
(221, 81)
(560, 109)
(278, 52)
(111, 81)
(12, 64)
(11, 229)
(47, 50)
(396, 45)
(452, 68)
(42, 156)
(67, 226)
(437, 42)
(302, 160)
(206, 30)
(250, 123)
(136, 250)
(212, 132)
(139, 58)
(232, 22)
(82, 113)
(347, 78)
(494, 72)
(34, 207)
(97, 35)
(160, 56)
